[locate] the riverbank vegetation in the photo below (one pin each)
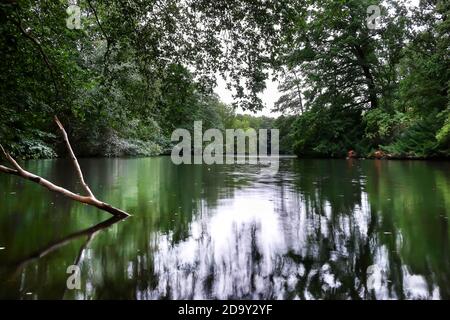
(369, 89)
(135, 70)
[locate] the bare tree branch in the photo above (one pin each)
(97, 19)
(90, 199)
(74, 159)
(9, 171)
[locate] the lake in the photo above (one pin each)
(318, 229)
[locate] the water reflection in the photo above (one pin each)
(89, 233)
(319, 229)
(230, 252)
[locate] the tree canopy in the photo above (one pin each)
(152, 65)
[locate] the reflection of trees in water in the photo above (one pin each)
(319, 229)
(324, 242)
(256, 257)
(17, 271)
(225, 256)
(364, 247)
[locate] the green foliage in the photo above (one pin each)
(120, 147)
(417, 141)
(139, 69)
(32, 148)
(362, 89)
(326, 133)
(382, 127)
(284, 124)
(443, 135)
(131, 74)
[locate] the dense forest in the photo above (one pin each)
(133, 71)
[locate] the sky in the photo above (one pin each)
(269, 97)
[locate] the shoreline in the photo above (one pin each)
(281, 156)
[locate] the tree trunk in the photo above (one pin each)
(362, 61)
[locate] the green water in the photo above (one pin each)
(319, 229)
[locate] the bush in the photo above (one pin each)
(122, 147)
(112, 145)
(443, 135)
(327, 133)
(417, 141)
(382, 127)
(34, 144)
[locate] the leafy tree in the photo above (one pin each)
(375, 87)
(152, 64)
